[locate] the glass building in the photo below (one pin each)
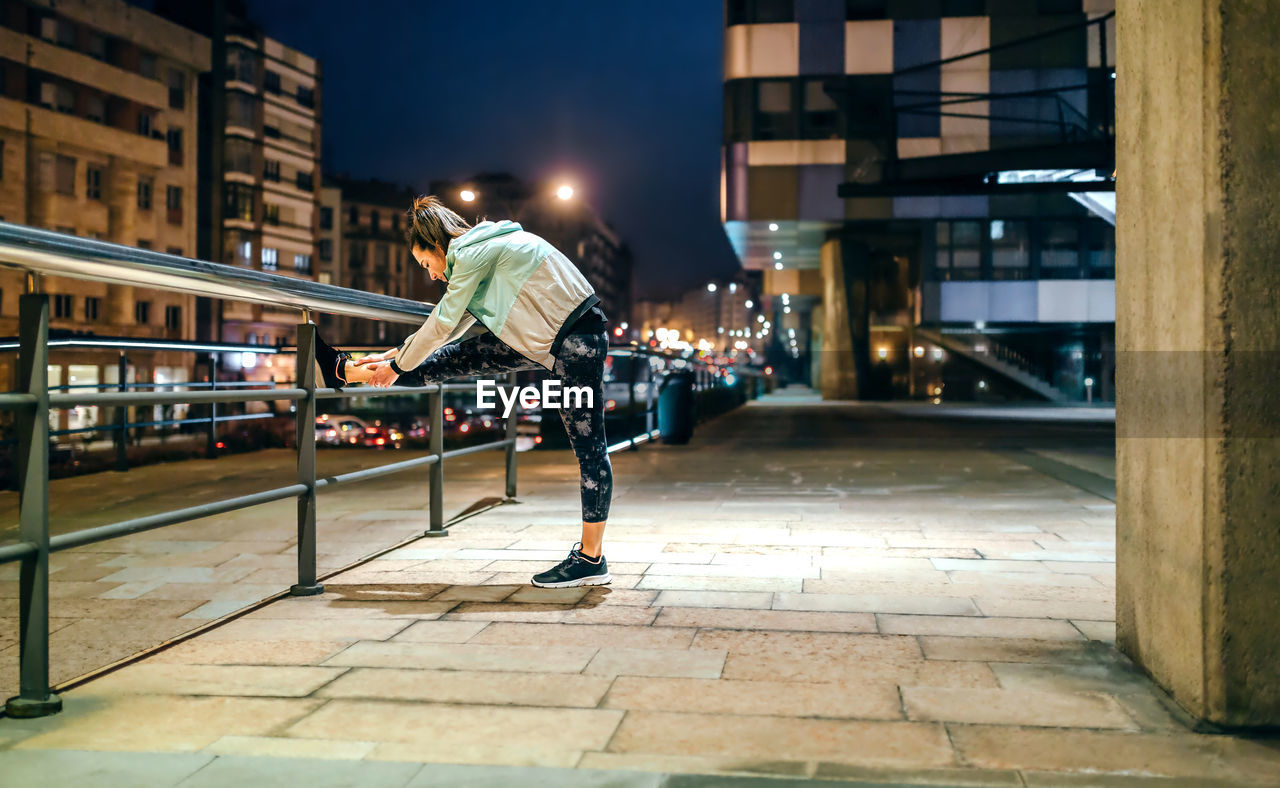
(928, 188)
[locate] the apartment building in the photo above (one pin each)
(98, 133)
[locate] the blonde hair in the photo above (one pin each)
(430, 224)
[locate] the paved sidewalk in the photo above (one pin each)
(806, 591)
(113, 599)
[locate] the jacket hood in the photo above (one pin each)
(484, 231)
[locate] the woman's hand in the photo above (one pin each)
(385, 355)
(383, 376)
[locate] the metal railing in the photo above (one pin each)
(41, 252)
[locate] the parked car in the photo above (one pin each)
(380, 437)
(340, 430)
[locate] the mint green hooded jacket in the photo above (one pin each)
(515, 284)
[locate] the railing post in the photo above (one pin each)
(512, 422)
(34, 698)
(122, 416)
(436, 404)
(631, 400)
(306, 440)
(211, 439)
(650, 414)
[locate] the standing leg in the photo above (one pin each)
(581, 366)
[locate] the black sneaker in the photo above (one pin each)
(576, 570)
(331, 363)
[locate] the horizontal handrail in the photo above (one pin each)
(14, 552)
(172, 397)
(47, 252)
(139, 524)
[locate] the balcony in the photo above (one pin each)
(82, 68)
(94, 136)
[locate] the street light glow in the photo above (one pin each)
(565, 192)
(778, 266)
(467, 195)
(773, 227)
(749, 303)
(777, 255)
(711, 287)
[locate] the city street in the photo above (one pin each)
(809, 589)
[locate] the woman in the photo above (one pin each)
(512, 302)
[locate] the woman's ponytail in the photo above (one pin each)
(430, 224)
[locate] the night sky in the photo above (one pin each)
(622, 97)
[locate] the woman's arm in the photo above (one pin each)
(469, 271)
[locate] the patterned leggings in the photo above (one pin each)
(580, 363)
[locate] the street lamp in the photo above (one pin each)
(467, 195)
(565, 192)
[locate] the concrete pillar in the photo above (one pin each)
(1197, 333)
(122, 228)
(837, 380)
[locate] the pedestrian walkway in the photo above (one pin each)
(827, 592)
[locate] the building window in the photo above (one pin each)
(92, 305)
(869, 9)
(144, 124)
(240, 111)
(775, 110)
(959, 250)
(302, 263)
(62, 307)
(270, 213)
(240, 244)
(306, 181)
(326, 249)
(174, 138)
(177, 89)
(353, 216)
(271, 81)
(239, 155)
(147, 65)
(1059, 249)
(173, 318)
(66, 99)
(66, 175)
(1101, 250)
(95, 109)
(143, 244)
(759, 12)
(821, 116)
(93, 182)
(175, 250)
(306, 96)
(240, 199)
(326, 213)
(142, 312)
(270, 258)
(97, 46)
(241, 65)
(1010, 249)
(57, 31)
(173, 204)
(271, 131)
(145, 186)
(374, 221)
(271, 170)
(1, 160)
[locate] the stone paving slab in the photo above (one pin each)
(918, 613)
